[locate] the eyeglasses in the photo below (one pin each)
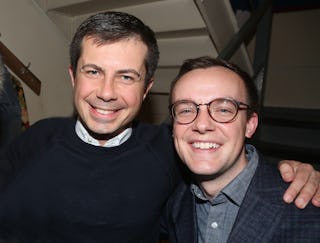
(126, 76)
(222, 110)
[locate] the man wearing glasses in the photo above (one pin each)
(101, 177)
(233, 195)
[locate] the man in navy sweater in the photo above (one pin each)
(102, 177)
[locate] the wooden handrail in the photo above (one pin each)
(23, 72)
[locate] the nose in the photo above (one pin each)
(203, 122)
(107, 89)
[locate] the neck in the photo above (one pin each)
(211, 185)
(104, 138)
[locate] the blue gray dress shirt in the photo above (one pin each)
(215, 217)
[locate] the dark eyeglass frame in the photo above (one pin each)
(238, 104)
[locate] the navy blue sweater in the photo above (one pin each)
(70, 191)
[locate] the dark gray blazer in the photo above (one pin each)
(262, 217)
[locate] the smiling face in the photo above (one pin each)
(107, 104)
(209, 148)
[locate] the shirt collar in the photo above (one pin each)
(237, 188)
(115, 141)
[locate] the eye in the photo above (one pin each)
(184, 110)
(92, 73)
(224, 110)
(127, 78)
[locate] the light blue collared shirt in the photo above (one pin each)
(115, 141)
(215, 217)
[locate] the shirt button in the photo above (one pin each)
(214, 225)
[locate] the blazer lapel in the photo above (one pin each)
(262, 208)
(184, 216)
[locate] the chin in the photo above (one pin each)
(102, 131)
(200, 170)
(97, 128)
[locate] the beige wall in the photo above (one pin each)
(294, 63)
(28, 33)
(293, 78)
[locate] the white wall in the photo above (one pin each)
(33, 38)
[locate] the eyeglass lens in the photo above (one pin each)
(220, 110)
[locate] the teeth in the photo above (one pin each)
(104, 112)
(203, 145)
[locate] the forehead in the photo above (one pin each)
(130, 52)
(205, 84)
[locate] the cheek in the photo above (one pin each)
(133, 96)
(233, 130)
(179, 149)
(235, 135)
(83, 88)
(179, 141)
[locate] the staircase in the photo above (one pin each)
(191, 28)
(184, 29)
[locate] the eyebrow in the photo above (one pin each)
(121, 71)
(92, 66)
(124, 71)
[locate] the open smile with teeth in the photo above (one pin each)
(104, 112)
(203, 145)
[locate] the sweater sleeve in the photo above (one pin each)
(16, 155)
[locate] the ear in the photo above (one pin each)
(147, 89)
(252, 125)
(71, 75)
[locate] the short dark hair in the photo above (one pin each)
(111, 26)
(206, 62)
